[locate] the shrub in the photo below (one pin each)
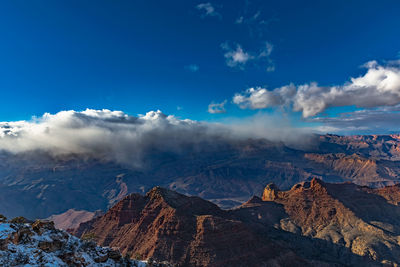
(3, 218)
(150, 261)
(128, 256)
(88, 236)
(138, 256)
(19, 219)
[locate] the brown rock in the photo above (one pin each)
(50, 246)
(39, 225)
(22, 235)
(186, 231)
(115, 255)
(270, 192)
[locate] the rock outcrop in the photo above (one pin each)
(365, 220)
(40, 244)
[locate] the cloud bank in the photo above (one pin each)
(126, 139)
(378, 87)
(111, 134)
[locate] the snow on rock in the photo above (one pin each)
(5, 230)
(40, 244)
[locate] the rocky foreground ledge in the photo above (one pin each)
(40, 244)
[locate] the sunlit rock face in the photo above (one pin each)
(363, 219)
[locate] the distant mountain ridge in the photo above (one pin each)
(37, 185)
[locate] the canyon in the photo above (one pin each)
(38, 185)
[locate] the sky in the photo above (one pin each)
(333, 66)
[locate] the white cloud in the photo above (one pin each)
(252, 19)
(266, 51)
(111, 134)
(379, 86)
(270, 68)
(237, 57)
(214, 108)
(208, 10)
(117, 136)
(260, 98)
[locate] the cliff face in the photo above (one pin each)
(189, 231)
(365, 220)
(186, 231)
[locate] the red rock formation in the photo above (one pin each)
(186, 231)
(360, 218)
(391, 193)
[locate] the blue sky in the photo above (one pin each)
(180, 56)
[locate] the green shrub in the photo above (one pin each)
(89, 236)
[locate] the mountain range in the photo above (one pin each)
(37, 184)
(313, 224)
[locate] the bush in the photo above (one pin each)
(138, 256)
(128, 256)
(3, 218)
(89, 236)
(19, 219)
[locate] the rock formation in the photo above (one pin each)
(365, 220)
(189, 231)
(40, 244)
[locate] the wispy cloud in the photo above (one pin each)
(254, 21)
(378, 87)
(237, 57)
(192, 68)
(254, 18)
(208, 9)
(215, 108)
(239, 20)
(366, 121)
